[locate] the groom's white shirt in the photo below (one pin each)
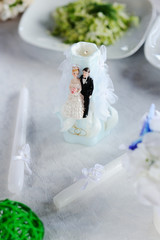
(84, 80)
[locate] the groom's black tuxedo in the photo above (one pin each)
(87, 89)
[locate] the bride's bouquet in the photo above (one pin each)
(11, 8)
(74, 90)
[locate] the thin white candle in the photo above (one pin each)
(16, 170)
(77, 190)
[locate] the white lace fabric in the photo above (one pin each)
(74, 106)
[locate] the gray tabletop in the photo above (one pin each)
(111, 211)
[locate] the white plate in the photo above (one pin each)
(152, 45)
(36, 22)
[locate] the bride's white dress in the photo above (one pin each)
(74, 106)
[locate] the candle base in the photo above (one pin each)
(82, 133)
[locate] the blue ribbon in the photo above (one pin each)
(145, 128)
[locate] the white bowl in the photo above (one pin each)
(152, 45)
(36, 23)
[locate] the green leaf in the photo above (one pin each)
(17, 2)
(107, 9)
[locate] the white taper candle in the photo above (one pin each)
(76, 190)
(16, 170)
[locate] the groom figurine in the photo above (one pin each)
(87, 89)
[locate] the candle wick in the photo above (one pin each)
(86, 52)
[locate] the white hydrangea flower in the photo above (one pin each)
(154, 171)
(143, 163)
(7, 11)
(148, 191)
(152, 144)
(137, 161)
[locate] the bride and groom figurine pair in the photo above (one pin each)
(84, 103)
(81, 89)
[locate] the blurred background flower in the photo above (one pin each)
(11, 8)
(143, 160)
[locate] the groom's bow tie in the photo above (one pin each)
(84, 80)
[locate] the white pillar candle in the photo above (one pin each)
(77, 189)
(88, 122)
(16, 170)
(85, 54)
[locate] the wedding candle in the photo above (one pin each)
(86, 116)
(84, 185)
(16, 170)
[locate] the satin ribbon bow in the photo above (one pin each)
(24, 155)
(94, 174)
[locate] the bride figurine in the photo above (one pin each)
(74, 106)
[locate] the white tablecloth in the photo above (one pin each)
(110, 212)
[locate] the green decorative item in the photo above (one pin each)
(95, 21)
(18, 222)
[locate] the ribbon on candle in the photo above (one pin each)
(94, 174)
(103, 57)
(24, 155)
